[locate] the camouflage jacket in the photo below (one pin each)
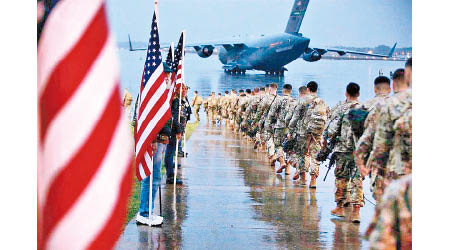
(205, 103)
(391, 226)
(345, 140)
(233, 102)
(299, 114)
(242, 106)
(252, 107)
(277, 112)
(365, 142)
(263, 107)
(213, 102)
(392, 147)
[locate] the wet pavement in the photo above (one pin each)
(232, 199)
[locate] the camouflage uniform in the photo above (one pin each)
(295, 129)
(232, 108)
(364, 146)
(391, 226)
(206, 107)
(348, 178)
(392, 147)
(313, 125)
(242, 106)
(261, 115)
(249, 116)
(225, 106)
(276, 120)
(212, 105)
(197, 103)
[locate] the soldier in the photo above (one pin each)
(212, 105)
(292, 155)
(232, 110)
(258, 121)
(235, 108)
(392, 147)
(219, 107)
(339, 130)
(197, 103)
(391, 227)
(205, 106)
(297, 134)
(225, 104)
(243, 104)
(276, 120)
(313, 125)
(364, 146)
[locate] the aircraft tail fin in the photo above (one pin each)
(129, 43)
(296, 17)
(392, 50)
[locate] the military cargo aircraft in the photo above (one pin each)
(269, 53)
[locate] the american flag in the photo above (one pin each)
(154, 105)
(84, 144)
(178, 62)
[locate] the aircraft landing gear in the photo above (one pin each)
(274, 73)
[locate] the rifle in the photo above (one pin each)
(330, 164)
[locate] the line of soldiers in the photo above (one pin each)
(371, 139)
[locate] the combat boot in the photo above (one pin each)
(339, 210)
(312, 184)
(303, 179)
(296, 176)
(355, 214)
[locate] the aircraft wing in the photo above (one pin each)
(343, 52)
(228, 45)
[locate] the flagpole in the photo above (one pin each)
(150, 194)
(179, 107)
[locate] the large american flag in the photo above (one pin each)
(84, 144)
(154, 105)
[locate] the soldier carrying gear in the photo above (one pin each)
(276, 120)
(197, 103)
(347, 175)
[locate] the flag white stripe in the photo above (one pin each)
(141, 171)
(152, 124)
(74, 15)
(151, 104)
(152, 79)
(67, 133)
(97, 201)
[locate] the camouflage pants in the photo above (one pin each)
(310, 162)
(196, 109)
(212, 114)
(224, 113)
(348, 180)
(278, 137)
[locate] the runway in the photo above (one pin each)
(232, 199)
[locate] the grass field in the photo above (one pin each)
(133, 201)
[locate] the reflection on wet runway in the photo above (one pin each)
(232, 199)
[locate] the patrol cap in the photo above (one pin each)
(167, 69)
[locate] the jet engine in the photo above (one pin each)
(204, 51)
(312, 55)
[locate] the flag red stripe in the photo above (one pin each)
(76, 175)
(155, 131)
(107, 238)
(72, 70)
(151, 92)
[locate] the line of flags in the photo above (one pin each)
(85, 151)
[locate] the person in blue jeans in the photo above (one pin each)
(143, 214)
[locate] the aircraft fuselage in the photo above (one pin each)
(267, 53)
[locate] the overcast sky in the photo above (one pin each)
(327, 22)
